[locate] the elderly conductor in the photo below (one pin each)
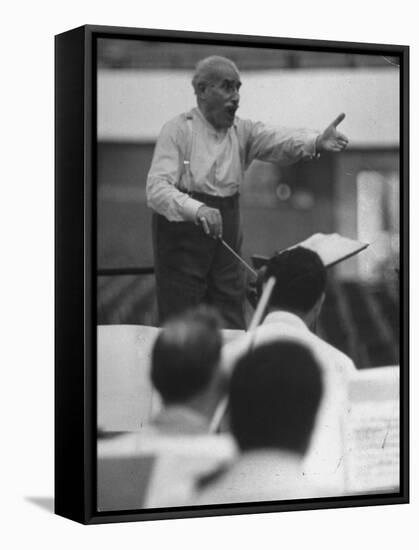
(193, 188)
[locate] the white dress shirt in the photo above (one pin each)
(159, 466)
(324, 461)
(218, 159)
(261, 475)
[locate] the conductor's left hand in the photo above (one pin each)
(331, 139)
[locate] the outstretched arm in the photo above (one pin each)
(331, 139)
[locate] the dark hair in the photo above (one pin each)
(275, 392)
(300, 279)
(186, 354)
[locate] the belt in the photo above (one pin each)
(215, 200)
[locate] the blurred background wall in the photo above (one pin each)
(141, 85)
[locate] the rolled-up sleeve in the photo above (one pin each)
(279, 145)
(163, 195)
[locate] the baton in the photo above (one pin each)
(204, 225)
(243, 262)
(260, 309)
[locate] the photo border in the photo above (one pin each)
(76, 266)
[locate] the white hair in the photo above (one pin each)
(206, 68)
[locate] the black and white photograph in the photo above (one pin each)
(277, 135)
(249, 271)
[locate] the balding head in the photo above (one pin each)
(216, 83)
(185, 357)
(208, 70)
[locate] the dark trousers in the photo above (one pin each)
(193, 268)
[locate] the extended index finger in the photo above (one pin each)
(337, 120)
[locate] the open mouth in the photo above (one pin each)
(231, 111)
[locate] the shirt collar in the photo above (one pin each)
(177, 419)
(287, 318)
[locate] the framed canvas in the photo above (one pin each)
(130, 130)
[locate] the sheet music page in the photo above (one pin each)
(372, 460)
(332, 248)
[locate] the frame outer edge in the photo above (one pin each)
(75, 335)
(69, 275)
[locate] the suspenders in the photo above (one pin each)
(188, 178)
(189, 119)
(187, 159)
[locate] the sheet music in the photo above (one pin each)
(332, 248)
(372, 457)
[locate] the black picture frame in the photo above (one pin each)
(76, 266)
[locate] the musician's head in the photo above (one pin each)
(275, 393)
(185, 359)
(300, 282)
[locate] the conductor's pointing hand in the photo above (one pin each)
(331, 139)
(210, 220)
